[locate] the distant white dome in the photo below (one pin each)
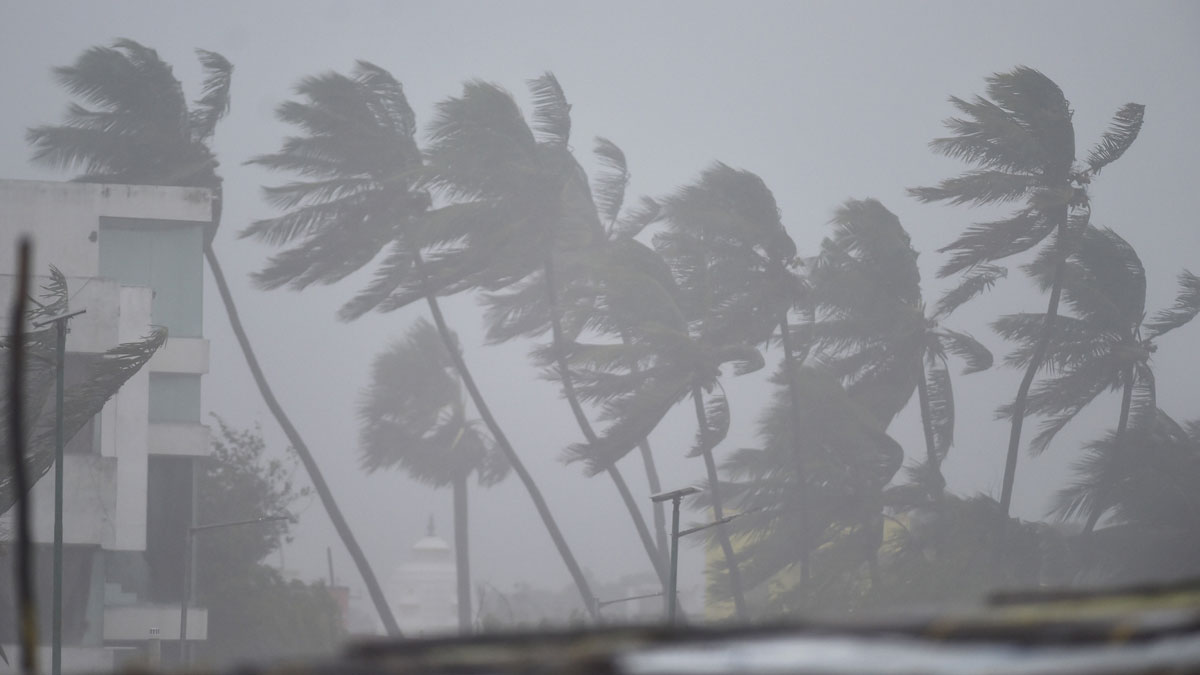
(422, 590)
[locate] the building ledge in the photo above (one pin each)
(181, 355)
(183, 439)
(143, 622)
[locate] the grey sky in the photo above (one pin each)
(826, 101)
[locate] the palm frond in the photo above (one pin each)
(213, 103)
(979, 188)
(608, 187)
(941, 411)
(716, 425)
(1186, 307)
(987, 242)
(962, 345)
(551, 112)
(1121, 134)
(976, 280)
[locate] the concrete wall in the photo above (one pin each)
(64, 218)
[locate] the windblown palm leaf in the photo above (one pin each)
(106, 374)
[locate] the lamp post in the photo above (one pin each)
(675, 497)
(60, 327)
(187, 572)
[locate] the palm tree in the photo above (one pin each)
(535, 233)
(1105, 345)
(1145, 480)
(414, 416)
(1022, 140)
(141, 131)
(362, 191)
(722, 287)
(825, 488)
(871, 329)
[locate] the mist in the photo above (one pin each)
(830, 105)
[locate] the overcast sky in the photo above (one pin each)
(826, 101)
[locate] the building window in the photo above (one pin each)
(174, 397)
(166, 256)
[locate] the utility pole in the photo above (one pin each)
(188, 575)
(675, 496)
(60, 327)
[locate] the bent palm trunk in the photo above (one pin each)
(306, 458)
(485, 412)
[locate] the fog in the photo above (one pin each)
(824, 101)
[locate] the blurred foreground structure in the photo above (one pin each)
(132, 256)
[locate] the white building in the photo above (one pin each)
(423, 589)
(132, 256)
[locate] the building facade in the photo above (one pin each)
(133, 258)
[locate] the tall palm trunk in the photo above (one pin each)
(462, 554)
(306, 457)
(568, 384)
(485, 412)
(660, 513)
(1035, 362)
(1119, 443)
(710, 466)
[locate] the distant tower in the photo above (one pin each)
(422, 590)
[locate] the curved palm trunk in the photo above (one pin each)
(1035, 362)
(485, 412)
(568, 384)
(462, 555)
(306, 457)
(1122, 426)
(710, 466)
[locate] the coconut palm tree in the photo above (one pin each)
(140, 130)
(1105, 344)
(1021, 140)
(723, 287)
(795, 496)
(872, 331)
(536, 234)
(1145, 481)
(414, 417)
(363, 190)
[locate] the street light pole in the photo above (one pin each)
(187, 573)
(60, 327)
(675, 496)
